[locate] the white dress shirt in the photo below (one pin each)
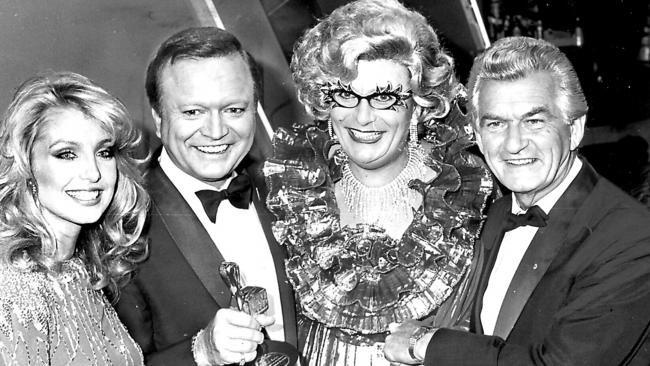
(238, 235)
(513, 247)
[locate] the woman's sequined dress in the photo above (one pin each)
(352, 282)
(58, 319)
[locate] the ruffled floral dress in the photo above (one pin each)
(352, 282)
(59, 319)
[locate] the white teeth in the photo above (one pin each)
(365, 136)
(84, 195)
(520, 161)
(209, 149)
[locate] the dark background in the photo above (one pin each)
(112, 41)
(616, 83)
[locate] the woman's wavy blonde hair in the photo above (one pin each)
(372, 30)
(111, 247)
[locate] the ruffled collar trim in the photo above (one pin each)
(358, 278)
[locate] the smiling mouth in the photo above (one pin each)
(366, 137)
(520, 162)
(212, 149)
(84, 195)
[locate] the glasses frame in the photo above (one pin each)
(331, 89)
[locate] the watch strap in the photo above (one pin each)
(414, 338)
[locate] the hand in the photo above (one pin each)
(231, 337)
(396, 349)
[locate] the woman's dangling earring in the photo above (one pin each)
(413, 129)
(33, 188)
(330, 129)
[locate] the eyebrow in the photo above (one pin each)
(532, 112)
(106, 141)
(388, 89)
(536, 110)
(64, 142)
(491, 116)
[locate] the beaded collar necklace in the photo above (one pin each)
(383, 205)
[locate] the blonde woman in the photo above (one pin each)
(73, 207)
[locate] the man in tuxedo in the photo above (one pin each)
(206, 209)
(566, 279)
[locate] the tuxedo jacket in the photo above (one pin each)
(178, 289)
(581, 294)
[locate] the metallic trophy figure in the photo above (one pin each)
(252, 300)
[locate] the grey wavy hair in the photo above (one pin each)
(514, 58)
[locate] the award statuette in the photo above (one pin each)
(253, 300)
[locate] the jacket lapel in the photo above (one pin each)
(189, 235)
(543, 249)
(491, 237)
(197, 247)
(279, 255)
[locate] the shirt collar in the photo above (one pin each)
(183, 181)
(547, 202)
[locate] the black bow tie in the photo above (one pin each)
(238, 193)
(535, 216)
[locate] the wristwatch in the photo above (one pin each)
(414, 338)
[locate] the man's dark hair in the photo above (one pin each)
(194, 43)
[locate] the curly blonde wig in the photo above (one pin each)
(372, 30)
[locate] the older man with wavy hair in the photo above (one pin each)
(566, 279)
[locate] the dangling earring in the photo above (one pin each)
(33, 188)
(413, 130)
(469, 131)
(330, 129)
